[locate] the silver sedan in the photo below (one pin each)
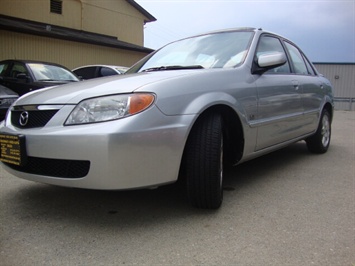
(183, 112)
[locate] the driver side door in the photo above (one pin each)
(280, 109)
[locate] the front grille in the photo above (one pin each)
(54, 167)
(36, 118)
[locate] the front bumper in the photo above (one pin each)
(143, 150)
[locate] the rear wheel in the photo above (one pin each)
(319, 142)
(203, 162)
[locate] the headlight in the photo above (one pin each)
(109, 108)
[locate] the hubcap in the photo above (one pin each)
(221, 164)
(325, 132)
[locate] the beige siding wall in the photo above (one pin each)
(114, 18)
(110, 17)
(70, 54)
(39, 10)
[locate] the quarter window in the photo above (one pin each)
(297, 60)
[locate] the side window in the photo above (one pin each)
(269, 44)
(18, 68)
(297, 60)
(105, 71)
(86, 72)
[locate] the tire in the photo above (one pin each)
(319, 142)
(203, 162)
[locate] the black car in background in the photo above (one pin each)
(23, 76)
(7, 97)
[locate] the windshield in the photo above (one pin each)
(216, 50)
(43, 72)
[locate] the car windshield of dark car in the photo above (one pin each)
(43, 72)
(216, 50)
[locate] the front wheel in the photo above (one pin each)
(319, 142)
(203, 162)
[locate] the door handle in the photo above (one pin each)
(295, 84)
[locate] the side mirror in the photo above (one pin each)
(268, 61)
(22, 76)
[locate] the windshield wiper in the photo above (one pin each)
(161, 68)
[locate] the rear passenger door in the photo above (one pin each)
(280, 107)
(310, 84)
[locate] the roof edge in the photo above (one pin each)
(149, 16)
(57, 32)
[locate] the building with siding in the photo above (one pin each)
(83, 32)
(73, 32)
(342, 77)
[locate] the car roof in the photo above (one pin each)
(251, 29)
(256, 30)
(27, 61)
(224, 30)
(232, 29)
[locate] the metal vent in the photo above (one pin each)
(56, 6)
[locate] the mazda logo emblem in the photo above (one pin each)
(23, 118)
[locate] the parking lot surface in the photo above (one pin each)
(286, 208)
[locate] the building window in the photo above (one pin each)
(56, 6)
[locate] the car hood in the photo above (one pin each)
(73, 93)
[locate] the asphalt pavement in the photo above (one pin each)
(290, 207)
